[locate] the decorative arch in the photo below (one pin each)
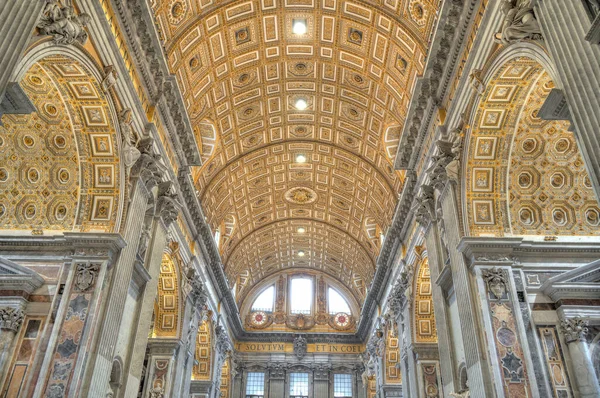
(524, 175)
(167, 304)
(203, 354)
(61, 168)
(424, 329)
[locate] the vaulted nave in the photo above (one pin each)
(299, 198)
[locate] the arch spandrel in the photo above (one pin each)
(240, 66)
(524, 175)
(65, 155)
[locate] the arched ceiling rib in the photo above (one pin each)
(241, 69)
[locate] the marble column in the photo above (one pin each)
(11, 319)
(564, 27)
(321, 381)
(574, 330)
(17, 23)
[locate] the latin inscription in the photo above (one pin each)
(286, 347)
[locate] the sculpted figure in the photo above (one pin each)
(593, 6)
(519, 22)
(130, 152)
(62, 23)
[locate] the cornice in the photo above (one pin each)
(136, 21)
(486, 249)
(431, 89)
(72, 244)
(387, 254)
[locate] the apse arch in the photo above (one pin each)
(509, 187)
(79, 180)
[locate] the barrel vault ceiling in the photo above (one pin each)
(242, 70)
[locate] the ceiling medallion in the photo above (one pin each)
(300, 195)
(242, 36)
(355, 36)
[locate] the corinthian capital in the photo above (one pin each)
(424, 205)
(148, 166)
(167, 204)
(574, 328)
(11, 318)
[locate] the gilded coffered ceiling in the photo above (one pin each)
(59, 166)
(525, 175)
(242, 71)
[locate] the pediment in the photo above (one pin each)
(18, 277)
(581, 282)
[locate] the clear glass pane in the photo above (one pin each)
(301, 296)
(342, 386)
(337, 303)
(255, 386)
(264, 302)
(298, 384)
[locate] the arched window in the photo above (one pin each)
(301, 296)
(264, 302)
(337, 303)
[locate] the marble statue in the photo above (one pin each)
(62, 23)
(130, 151)
(519, 22)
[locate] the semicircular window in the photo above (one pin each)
(337, 303)
(264, 302)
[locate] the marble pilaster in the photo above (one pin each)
(321, 381)
(480, 379)
(161, 367)
(436, 264)
(101, 354)
(152, 262)
(17, 23)
(78, 319)
(276, 381)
